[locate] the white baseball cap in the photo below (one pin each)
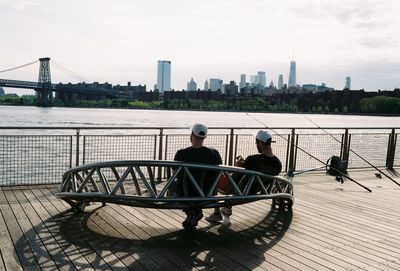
(264, 136)
(199, 130)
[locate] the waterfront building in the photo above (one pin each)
(280, 81)
(128, 92)
(164, 75)
(206, 85)
(347, 84)
(191, 85)
(292, 74)
(215, 84)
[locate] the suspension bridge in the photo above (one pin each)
(46, 90)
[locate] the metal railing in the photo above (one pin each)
(40, 155)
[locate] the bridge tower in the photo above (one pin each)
(44, 95)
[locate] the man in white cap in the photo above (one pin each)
(197, 153)
(265, 162)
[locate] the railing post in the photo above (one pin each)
(230, 158)
(77, 148)
(345, 148)
(160, 153)
(292, 152)
(391, 150)
(70, 152)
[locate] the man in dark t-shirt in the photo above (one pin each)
(197, 153)
(265, 162)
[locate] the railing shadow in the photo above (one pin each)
(210, 247)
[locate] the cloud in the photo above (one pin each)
(373, 42)
(18, 4)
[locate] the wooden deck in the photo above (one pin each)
(332, 227)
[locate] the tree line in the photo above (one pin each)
(373, 105)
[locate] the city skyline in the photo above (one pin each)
(120, 41)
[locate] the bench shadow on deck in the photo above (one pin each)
(120, 237)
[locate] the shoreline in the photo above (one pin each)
(222, 111)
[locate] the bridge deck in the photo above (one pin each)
(332, 227)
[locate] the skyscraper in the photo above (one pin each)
(253, 80)
(164, 75)
(292, 74)
(191, 85)
(280, 82)
(242, 83)
(347, 85)
(206, 84)
(261, 80)
(215, 84)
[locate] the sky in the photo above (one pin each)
(121, 40)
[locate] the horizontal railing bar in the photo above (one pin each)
(180, 128)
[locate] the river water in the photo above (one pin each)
(35, 116)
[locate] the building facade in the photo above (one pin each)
(261, 80)
(280, 81)
(215, 84)
(292, 74)
(242, 83)
(164, 75)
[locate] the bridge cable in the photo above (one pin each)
(312, 156)
(359, 156)
(69, 72)
(21, 66)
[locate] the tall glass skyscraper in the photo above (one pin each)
(261, 80)
(292, 74)
(164, 75)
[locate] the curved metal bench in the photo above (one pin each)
(134, 183)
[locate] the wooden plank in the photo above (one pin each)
(73, 252)
(22, 248)
(34, 238)
(8, 253)
(2, 267)
(130, 230)
(144, 232)
(95, 256)
(132, 259)
(231, 256)
(46, 232)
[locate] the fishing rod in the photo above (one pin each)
(359, 156)
(309, 154)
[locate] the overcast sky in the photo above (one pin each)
(119, 41)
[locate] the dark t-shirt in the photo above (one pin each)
(265, 164)
(201, 155)
(258, 162)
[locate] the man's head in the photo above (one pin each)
(263, 140)
(199, 133)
